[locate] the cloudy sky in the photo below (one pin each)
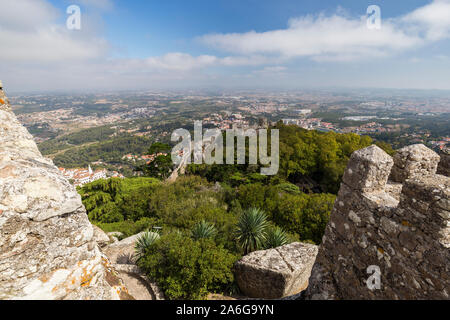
(153, 44)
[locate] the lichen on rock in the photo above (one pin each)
(401, 227)
(47, 245)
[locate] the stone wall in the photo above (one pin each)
(401, 227)
(444, 165)
(47, 250)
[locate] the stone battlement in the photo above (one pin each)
(392, 213)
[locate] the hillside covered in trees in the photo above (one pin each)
(202, 223)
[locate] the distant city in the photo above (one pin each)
(77, 130)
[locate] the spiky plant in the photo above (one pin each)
(251, 230)
(203, 230)
(144, 242)
(276, 237)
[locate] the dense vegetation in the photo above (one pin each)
(200, 224)
(110, 151)
(75, 139)
(313, 160)
(188, 268)
(209, 218)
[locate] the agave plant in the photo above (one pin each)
(144, 242)
(276, 237)
(251, 230)
(203, 230)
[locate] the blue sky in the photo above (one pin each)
(255, 43)
(140, 28)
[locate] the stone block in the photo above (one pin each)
(276, 273)
(414, 161)
(368, 169)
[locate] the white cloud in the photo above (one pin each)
(51, 44)
(433, 20)
(179, 62)
(26, 15)
(272, 69)
(36, 45)
(30, 32)
(339, 37)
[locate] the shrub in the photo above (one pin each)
(144, 243)
(188, 269)
(276, 237)
(251, 229)
(289, 188)
(203, 230)
(305, 215)
(128, 227)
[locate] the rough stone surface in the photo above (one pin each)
(276, 273)
(122, 252)
(138, 284)
(122, 256)
(101, 237)
(444, 165)
(47, 245)
(402, 229)
(411, 161)
(368, 169)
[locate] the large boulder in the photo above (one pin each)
(276, 273)
(47, 244)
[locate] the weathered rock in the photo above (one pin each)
(404, 230)
(122, 252)
(130, 241)
(47, 245)
(276, 273)
(368, 169)
(122, 256)
(101, 237)
(414, 161)
(444, 165)
(138, 284)
(115, 234)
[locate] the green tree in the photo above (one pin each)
(159, 147)
(115, 199)
(161, 167)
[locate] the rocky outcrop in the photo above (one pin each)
(387, 240)
(122, 257)
(47, 245)
(101, 237)
(444, 165)
(276, 273)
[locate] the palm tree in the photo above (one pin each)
(251, 230)
(276, 237)
(203, 230)
(144, 242)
